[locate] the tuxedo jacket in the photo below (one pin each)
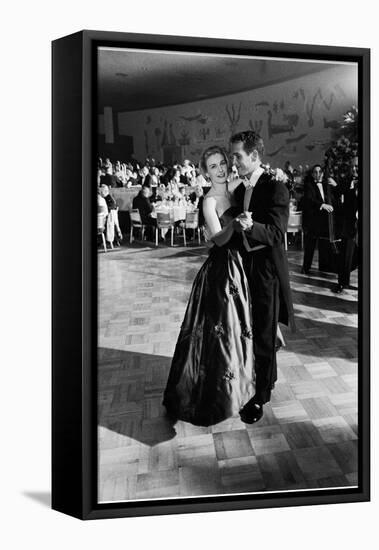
(349, 208)
(269, 206)
(144, 206)
(316, 221)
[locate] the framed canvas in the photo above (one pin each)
(132, 117)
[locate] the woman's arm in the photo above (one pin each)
(218, 235)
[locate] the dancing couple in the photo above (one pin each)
(225, 357)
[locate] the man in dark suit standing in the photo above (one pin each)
(349, 197)
(318, 220)
(264, 202)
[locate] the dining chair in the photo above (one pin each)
(101, 220)
(136, 223)
(164, 221)
(191, 222)
(295, 225)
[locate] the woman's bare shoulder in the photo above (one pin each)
(209, 202)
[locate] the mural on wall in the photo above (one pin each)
(296, 123)
(234, 116)
(256, 125)
(184, 137)
(296, 139)
(274, 129)
(299, 93)
(262, 104)
(172, 137)
(198, 118)
(147, 148)
(204, 133)
(164, 135)
(334, 124)
(157, 134)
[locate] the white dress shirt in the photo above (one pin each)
(321, 189)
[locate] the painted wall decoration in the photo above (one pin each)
(296, 119)
(274, 129)
(256, 125)
(234, 116)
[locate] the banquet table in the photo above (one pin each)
(177, 212)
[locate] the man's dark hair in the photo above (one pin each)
(251, 141)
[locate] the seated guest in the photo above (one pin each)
(142, 175)
(233, 174)
(191, 177)
(119, 173)
(182, 196)
(108, 166)
(143, 204)
(109, 179)
(102, 207)
(184, 175)
(197, 198)
(151, 178)
(200, 179)
(155, 197)
(113, 231)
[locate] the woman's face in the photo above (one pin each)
(217, 168)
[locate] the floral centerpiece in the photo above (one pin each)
(344, 146)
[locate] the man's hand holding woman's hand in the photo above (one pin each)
(243, 222)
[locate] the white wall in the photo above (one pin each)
(308, 105)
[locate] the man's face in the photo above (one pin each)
(317, 173)
(244, 162)
(104, 191)
(354, 168)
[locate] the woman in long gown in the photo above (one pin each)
(212, 371)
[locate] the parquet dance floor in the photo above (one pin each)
(308, 435)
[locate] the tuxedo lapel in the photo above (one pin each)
(256, 192)
(239, 195)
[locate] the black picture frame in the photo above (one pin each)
(74, 291)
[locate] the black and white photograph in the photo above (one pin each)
(189, 303)
(228, 274)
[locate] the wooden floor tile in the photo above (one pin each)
(233, 444)
(268, 440)
(317, 463)
(300, 435)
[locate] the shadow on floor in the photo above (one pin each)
(131, 388)
(331, 303)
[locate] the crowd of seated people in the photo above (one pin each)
(150, 172)
(181, 184)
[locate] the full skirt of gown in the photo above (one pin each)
(212, 370)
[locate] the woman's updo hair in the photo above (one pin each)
(209, 151)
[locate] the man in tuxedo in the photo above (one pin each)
(348, 191)
(143, 204)
(264, 203)
(318, 208)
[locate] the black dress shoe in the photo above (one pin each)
(339, 289)
(251, 412)
(305, 271)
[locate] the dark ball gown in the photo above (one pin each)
(212, 371)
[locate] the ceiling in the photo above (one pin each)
(134, 80)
